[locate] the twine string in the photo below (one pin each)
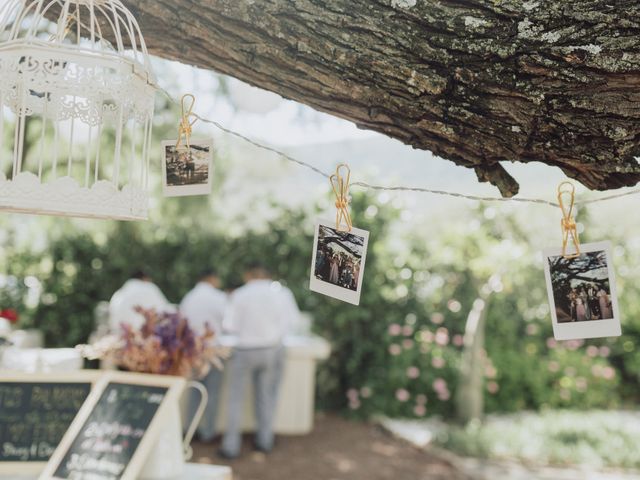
(399, 188)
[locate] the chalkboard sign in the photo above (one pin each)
(116, 428)
(35, 412)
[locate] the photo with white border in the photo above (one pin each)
(582, 293)
(187, 171)
(337, 266)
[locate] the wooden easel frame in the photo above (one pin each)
(175, 387)
(82, 376)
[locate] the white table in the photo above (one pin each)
(295, 411)
(192, 471)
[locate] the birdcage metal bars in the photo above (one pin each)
(76, 109)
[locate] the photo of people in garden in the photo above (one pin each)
(187, 166)
(338, 257)
(581, 287)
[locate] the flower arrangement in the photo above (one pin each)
(10, 315)
(165, 344)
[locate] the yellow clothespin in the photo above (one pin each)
(568, 223)
(186, 125)
(340, 186)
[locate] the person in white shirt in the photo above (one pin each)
(138, 291)
(203, 306)
(260, 314)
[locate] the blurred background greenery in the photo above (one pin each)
(399, 352)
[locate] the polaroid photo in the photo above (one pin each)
(187, 171)
(582, 293)
(337, 266)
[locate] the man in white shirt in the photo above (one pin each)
(205, 305)
(138, 291)
(260, 314)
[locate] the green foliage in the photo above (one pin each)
(599, 439)
(399, 352)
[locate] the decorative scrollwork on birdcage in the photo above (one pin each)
(76, 109)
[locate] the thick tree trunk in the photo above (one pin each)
(474, 81)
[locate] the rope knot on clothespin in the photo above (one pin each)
(340, 185)
(567, 222)
(185, 128)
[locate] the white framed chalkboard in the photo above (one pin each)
(36, 409)
(116, 428)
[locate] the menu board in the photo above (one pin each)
(116, 428)
(34, 417)
(36, 409)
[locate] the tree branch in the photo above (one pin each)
(476, 82)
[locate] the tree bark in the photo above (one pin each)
(476, 82)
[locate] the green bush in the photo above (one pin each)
(399, 352)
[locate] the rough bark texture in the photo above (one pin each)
(474, 81)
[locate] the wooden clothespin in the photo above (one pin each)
(568, 222)
(340, 185)
(185, 126)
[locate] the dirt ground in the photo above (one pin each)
(337, 449)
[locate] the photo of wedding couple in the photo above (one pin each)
(581, 288)
(338, 262)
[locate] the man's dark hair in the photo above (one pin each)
(208, 272)
(257, 267)
(139, 274)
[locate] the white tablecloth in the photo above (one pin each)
(295, 411)
(193, 471)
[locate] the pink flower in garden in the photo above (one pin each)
(407, 330)
(581, 384)
(442, 336)
(352, 394)
(551, 342)
(407, 343)
(395, 329)
(608, 373)
(437, 318)
(421, 399)
(532, 329)
(402, 395)
(458, 340)
(492, 387)
(553, 366)
(437, 362)
(573, 344)
(426, 336)
(592, 351)
(439, 385)
(454, 305)
(420, 410)
(604, 351)
(365, 392)
(490, 371)
(413, 372)
(394, 349)
(354, 404)
(444, 396)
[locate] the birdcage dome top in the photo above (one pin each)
(93, 27)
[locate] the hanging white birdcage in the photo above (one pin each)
(76, 107)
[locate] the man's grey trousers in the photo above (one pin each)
(264, 367)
